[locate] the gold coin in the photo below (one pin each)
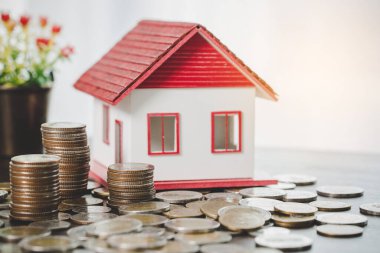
(238, 218)
(212, 207)
(147, 219)
(145, 207)
(48, 244)
(293, 221)
(183, 213)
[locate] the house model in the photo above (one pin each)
(172, 95)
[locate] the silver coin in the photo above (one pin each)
(51, 224)
(17, 233)
(339, 191)
(269, 231)
(285, 242)
(91, 209)
(246, 209)
(147, 219)
(370, 209)
(296, 179)
(180, 197)
(227, 196)
(83, 201)
(292, 208)
(300, 196)
(48, 244)
(63, 216)
(242, 217)
(78, 233)
(3, 195)
(262, 192)
(135, 241)
(176, 247)
(196, 204)
(116, 226)
(330, 206)
(283, 186)
(5, 214)
(263, 203)
(339, 230)
(204, 238)
(99, 245)
(145, 207)
(88, 218)
(342, 219)
(293, 221)
(224, 248)
(192, 225)
(153, 231)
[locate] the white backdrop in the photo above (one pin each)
(322, 57)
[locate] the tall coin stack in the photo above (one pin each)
(35, 187)
(69, 141)
(129, 183)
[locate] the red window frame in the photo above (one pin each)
(106, 117)
(226, 113)
(120, 124)
(163, 152)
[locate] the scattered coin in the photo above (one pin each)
(340, 191)
(3, 195)
(177, 247)
(183, 213)
(204, 238)
(339, 230)
(262, 192)
(89, 201)
(17, 233)
(63, 216)
(99, 245)
(91, 209)
(330, 206)
(192, 225)
(88, 218)
(242, 217)
(293, 221)
(147, 219)
(283, 186)
(4, 214)
(51, 224)
(227, 196)
(296, 179)
(300, 196)
(48, 244)
(342, 219)
(106, 228)
(153, 231)
(64, 208)
(196, 204)
(145, 207)
(291, 242)
(224, 248)
(179, 197)
(263, 203)
(136, 241)
(292, 208)
(78, 233)
(211, 208)
(269, 231)
(100, 193)
(370, 209)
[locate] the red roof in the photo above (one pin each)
(149, 46)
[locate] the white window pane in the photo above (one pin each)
(118, 143)
(169, 133)
(155, 134)
(233, 132)
(220, 132)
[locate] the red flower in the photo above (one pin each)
(56, 29)
(24, 20)
(5, 17)
(42, 42)
(67, 51)
(43, 22)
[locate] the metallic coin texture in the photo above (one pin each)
(91, 209)
(262, 192)
(227, 196)
(104, 229)
(242, 209)
(263, 203)
(100, 193)
(48, 244)
(3, 195)
(370, 209)
(211, 208)
(147, 219)
(192, 225)
(292, 208)
(342, 219)
(339, 230)
(204, 238)
(196, 204)
(300, 196)
(330, 206)
(51, 224)
(296, 179)
(78, 233)
(286, 242)
(339, 191)
(88, 218)
(293, 221)
(17, 233)
(269, 231)
(83, 201)
(242, 218)
(179, 197)
(183, 213)
(283, 186)
(145, 207)
(136, 241)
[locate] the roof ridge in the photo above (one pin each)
(168, 23)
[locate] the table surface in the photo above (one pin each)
(361, 170)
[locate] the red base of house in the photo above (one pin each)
(99, 173)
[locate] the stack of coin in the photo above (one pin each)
(294, 215)
(129, 183)
(69, 141)
(35, 187)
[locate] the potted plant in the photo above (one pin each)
(29, 53)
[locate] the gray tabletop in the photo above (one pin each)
(361, 170)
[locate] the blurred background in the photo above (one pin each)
(321, 57)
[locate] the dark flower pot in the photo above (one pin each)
(22, 111)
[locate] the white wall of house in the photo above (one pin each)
(195, 160)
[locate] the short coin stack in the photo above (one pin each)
(129, 183)
(35, 187)
(69, 141)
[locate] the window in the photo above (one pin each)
(226, 132)
(106, 124)
(163, 133)
(118, 141)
